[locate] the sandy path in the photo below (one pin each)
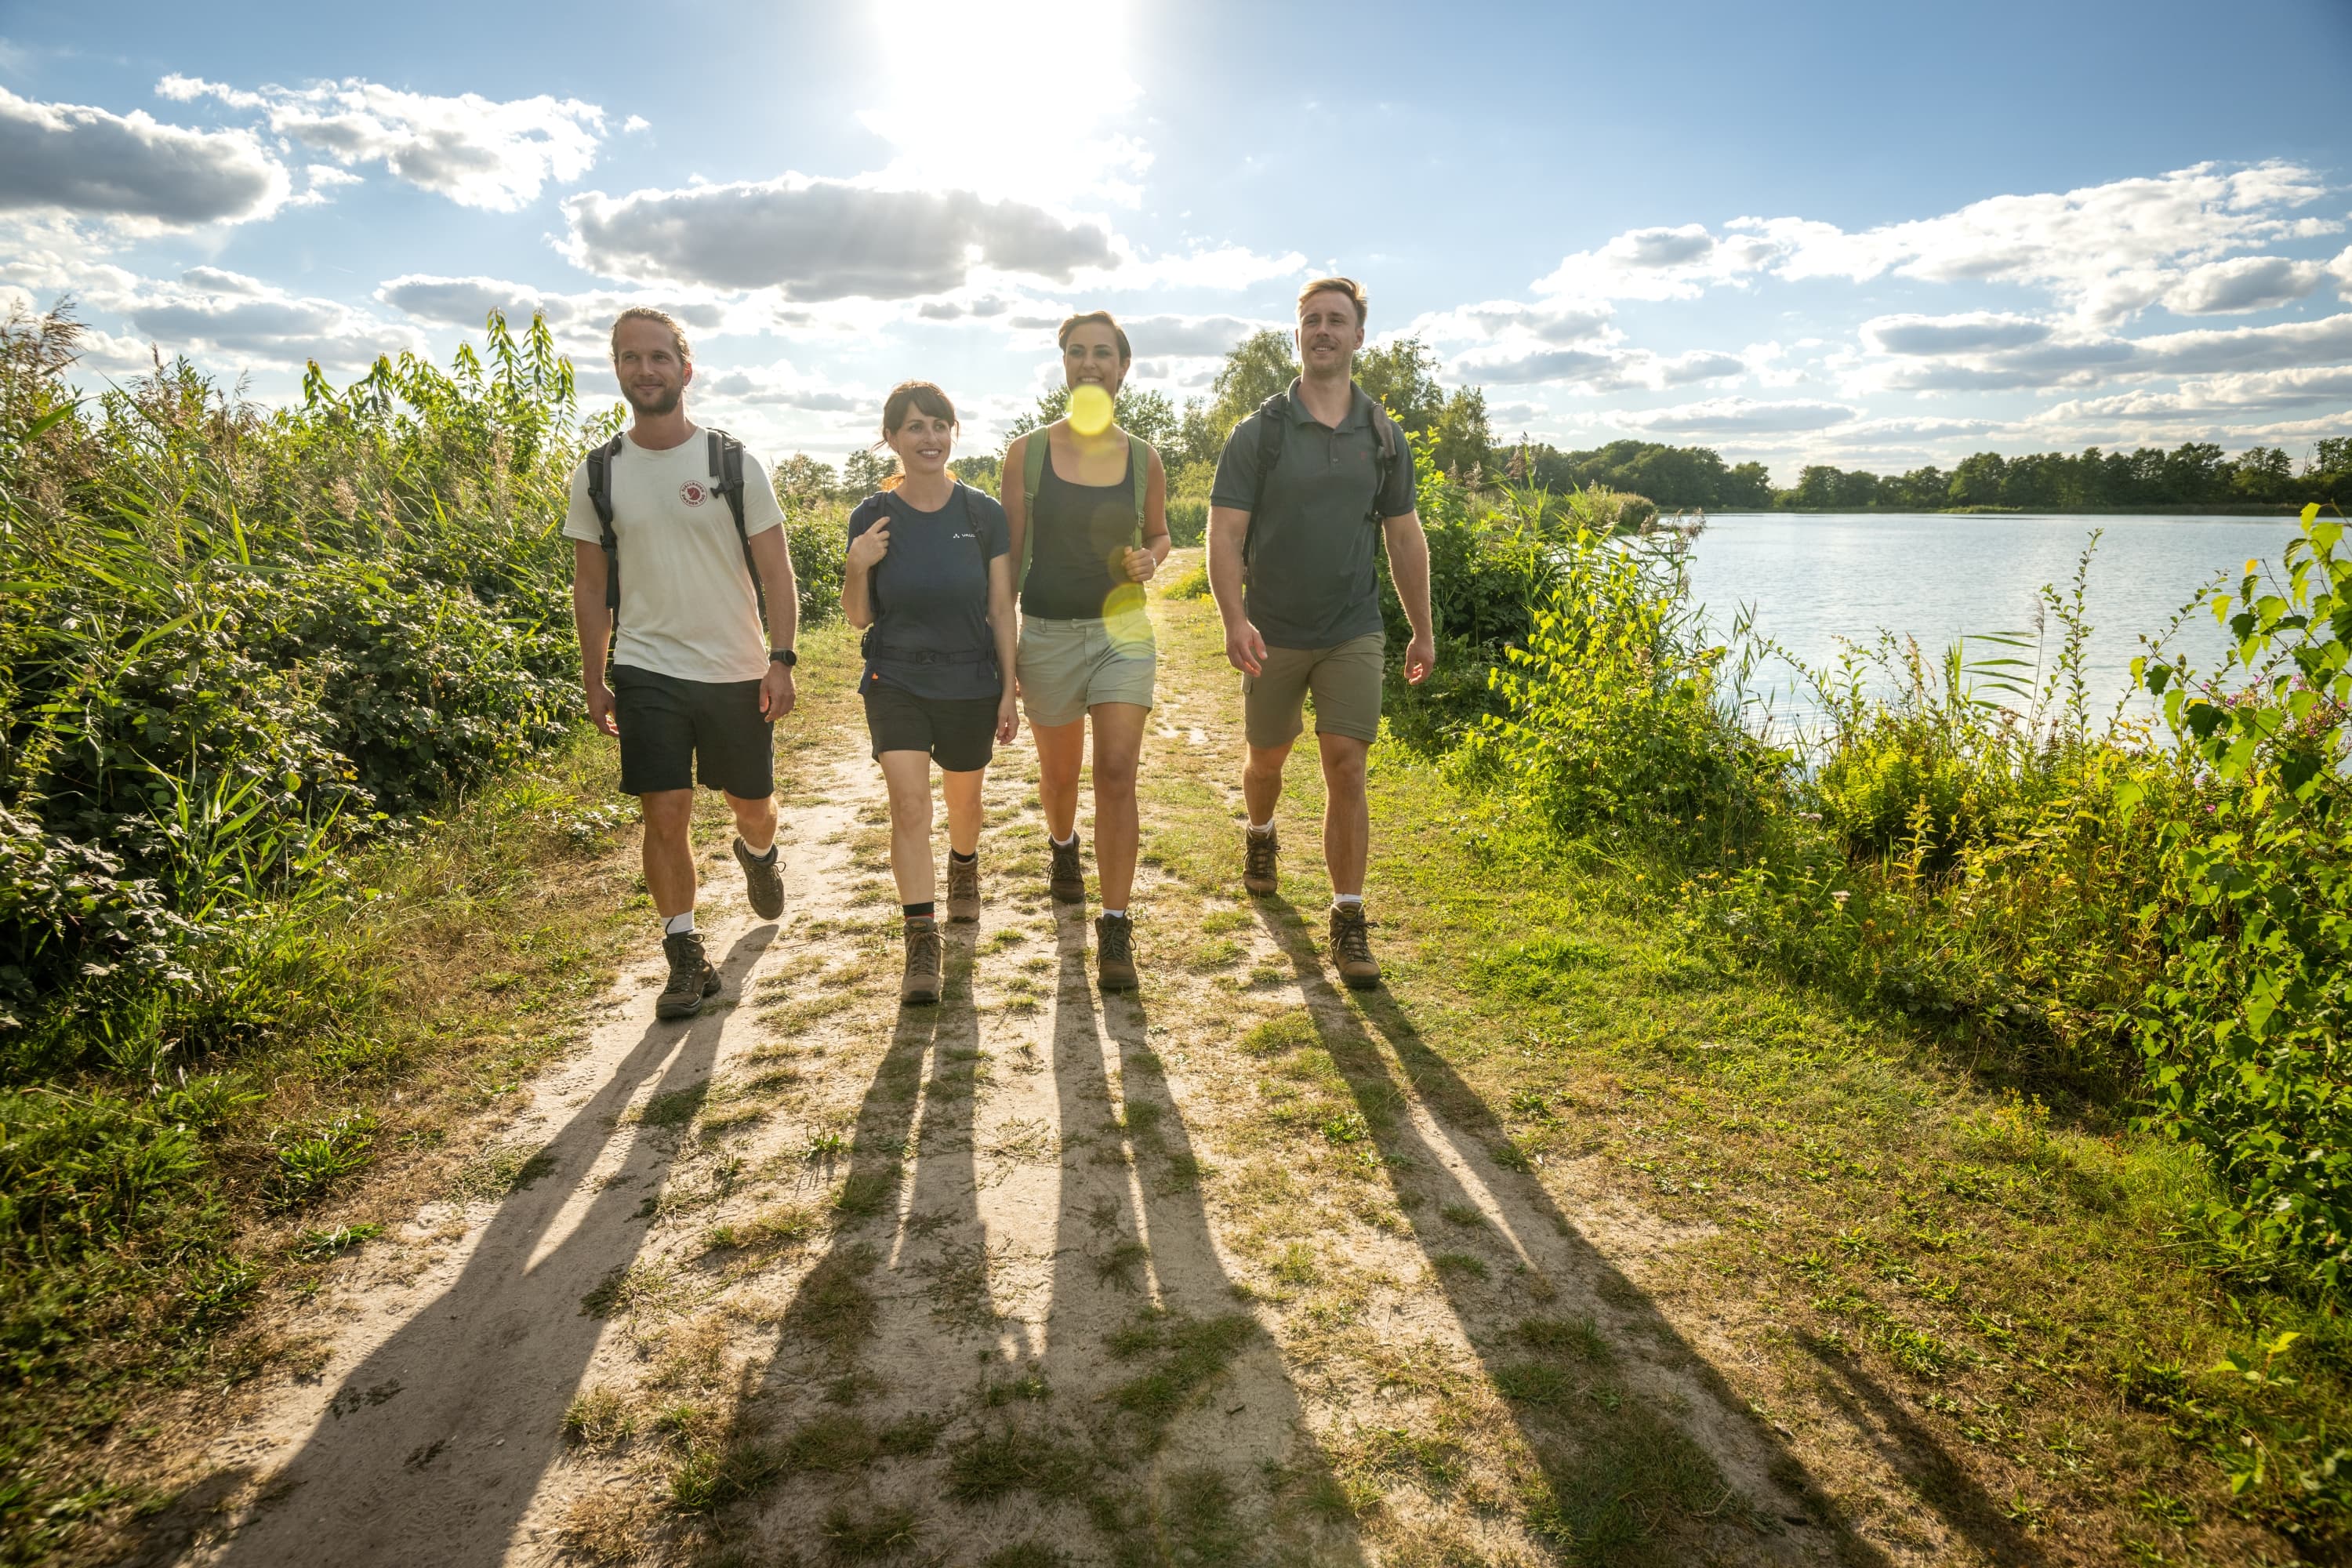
(1034, 1266)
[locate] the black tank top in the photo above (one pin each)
(1078, 535)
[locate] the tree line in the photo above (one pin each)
(1404, 376)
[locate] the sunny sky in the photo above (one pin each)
(1865, 234)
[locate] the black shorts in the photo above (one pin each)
(959, 732)
(673, 730)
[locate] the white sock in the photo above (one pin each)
(1261, 828)
(1114, 914)
(677, 924)
(1342, 901)
(1063, 843)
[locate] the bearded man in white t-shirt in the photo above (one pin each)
(695, 685)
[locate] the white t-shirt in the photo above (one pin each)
(688, 607)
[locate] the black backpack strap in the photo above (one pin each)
(727, 478)
(1273, 431)
(1385, 444)
(600, 496)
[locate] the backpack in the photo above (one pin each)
(1274, 429)
(866, 646)
(1032, 468)
(725, 466)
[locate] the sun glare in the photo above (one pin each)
(1022, 104)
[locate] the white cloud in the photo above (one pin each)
(1228, 267)
(635, 123)
(69, 158)
(1735, 416)
(816, 239)
(1190, 336)
(478, 151)
(1659, 264)
(1518, 362)
(1973, 332)
(780, 385)
(2242, 283)
(213, 316)
(468, 301)
(1559, 322)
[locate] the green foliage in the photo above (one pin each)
(1187, 520)
(2194, 474)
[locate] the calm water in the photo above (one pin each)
(1812, 579)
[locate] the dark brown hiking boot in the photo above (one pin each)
(691, 978)
(1068, 877)
(963, 889)
(1115, 952)
(1258, 861)
(1351, 947)
(763, 879)
(924, 961)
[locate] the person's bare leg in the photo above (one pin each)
(1346, 816)
(962, 792)
(1262, 781)
(755, 821)
(1061, 751)
(909, 776)
(1119, 744)
(669, 850)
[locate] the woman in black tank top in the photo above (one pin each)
(1087, 505)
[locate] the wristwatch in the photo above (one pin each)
(784, 656)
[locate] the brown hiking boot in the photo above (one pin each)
(691, 978)
(924, 961)
(1351, 947)
(1115, 952)
(1257, 861)
(1067, 878)
(763, 879)
(963, 889)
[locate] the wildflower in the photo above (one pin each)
(1840, 897)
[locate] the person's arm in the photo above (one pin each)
(1142, 563)
(1013, 490)
(773, 554)
(865, 551)
(594, 620)
(1228, 528)
(1006, 633)
(1409, 569)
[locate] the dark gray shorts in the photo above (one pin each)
(674, 731)
(959, 732)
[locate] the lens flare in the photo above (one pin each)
(1089, 409)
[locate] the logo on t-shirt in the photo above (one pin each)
(694, 492)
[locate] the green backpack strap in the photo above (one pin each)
(1138, 457)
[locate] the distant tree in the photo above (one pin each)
(863, 471)
(2332, 455)
(1404, 376)
(1745, 488)
(2192, 473)
(1146, 414)
(1977, 480)
(985, 473)
(2263, 474)
(1465, 445)
(802, 481)
(1262, 365)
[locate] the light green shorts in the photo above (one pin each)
(1067, 667)
(1345, 679)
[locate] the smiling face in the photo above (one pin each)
(645, 359)
(1090, 358)
(1329, 333)
(924, 443)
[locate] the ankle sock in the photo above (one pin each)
(1114, 914)
(678, 925)
(1347, 901)
(928, 910)
(1261, 831)
(1063, 843)
(766, 856)
(962, 859)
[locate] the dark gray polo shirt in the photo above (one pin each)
(1310, 583)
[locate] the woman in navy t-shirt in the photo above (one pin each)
(930, 579)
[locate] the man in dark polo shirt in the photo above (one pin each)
(1291, 544)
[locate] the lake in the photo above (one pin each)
(1811, 578)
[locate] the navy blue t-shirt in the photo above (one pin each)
(930, 596)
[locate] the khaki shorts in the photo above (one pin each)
(1346, 681)
(1067, 667)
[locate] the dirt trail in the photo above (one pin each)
(1228, 1272)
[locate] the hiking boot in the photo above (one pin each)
(1115, 952)
(1067, 878)
(1351, 947)
(1257, 861)
(963, 889)
(924, 961)
(691, 978)
(763, 879)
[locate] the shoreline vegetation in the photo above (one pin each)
(291, 729)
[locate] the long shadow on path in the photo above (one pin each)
(1648, 1456)
(434, 1444)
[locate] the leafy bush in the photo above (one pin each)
(1187, 520)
